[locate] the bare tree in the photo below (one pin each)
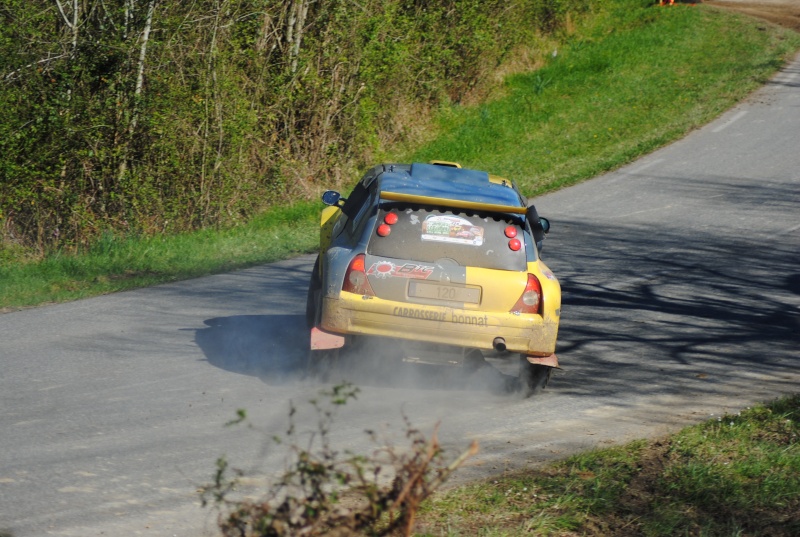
(295, 29)
(137, 93)
(74, 23)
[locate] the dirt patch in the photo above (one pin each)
(782, 12)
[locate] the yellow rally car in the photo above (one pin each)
(438, 255)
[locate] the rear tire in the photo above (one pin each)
(474, 361)
(534, 377)
(313, 297)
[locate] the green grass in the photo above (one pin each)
(118, 263)
(636, 79)
(733, 475)
(629, 80)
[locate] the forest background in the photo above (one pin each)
(143, 117)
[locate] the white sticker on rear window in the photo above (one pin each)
(452, 229)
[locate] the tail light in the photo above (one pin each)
(355, 279)
(531, 299)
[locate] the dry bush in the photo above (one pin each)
(327, 493)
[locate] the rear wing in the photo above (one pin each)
(456, 204)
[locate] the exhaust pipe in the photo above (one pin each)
(499, 344)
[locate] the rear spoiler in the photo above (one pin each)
(456, 204)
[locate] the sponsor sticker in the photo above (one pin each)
(419, 314)
(414, 313)
(452, 229)
(387, 269)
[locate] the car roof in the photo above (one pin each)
(444, 183)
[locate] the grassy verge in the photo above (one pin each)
(115, 264)
(629, 80)
(734, 475)
(633, 79)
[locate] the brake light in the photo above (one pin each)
(355, 279)
(531, 298)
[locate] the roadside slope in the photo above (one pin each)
(601, 101)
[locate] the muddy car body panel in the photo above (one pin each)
(434, 253)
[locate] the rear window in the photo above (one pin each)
(430, 234)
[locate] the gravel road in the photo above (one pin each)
(782, 12)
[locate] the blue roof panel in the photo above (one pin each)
(449, 183)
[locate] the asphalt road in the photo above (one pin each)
(681, 278)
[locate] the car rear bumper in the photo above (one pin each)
(353, 314)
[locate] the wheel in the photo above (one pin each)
(473, 361)
(313, 297)
(533, 377)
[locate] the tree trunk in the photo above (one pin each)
(297, 21)
(137, 93)
(73, 24)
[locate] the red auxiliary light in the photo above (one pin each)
(531, 298)
(390, 218)
(511, 232)
(515, 244)
(355, 279)
(384, 230)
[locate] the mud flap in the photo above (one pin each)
(322, 340)
(551, 361)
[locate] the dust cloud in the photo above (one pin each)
(274, 348)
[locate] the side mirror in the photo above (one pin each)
(539, 226)
(537, 223)
(545, 224)
(331, 197)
